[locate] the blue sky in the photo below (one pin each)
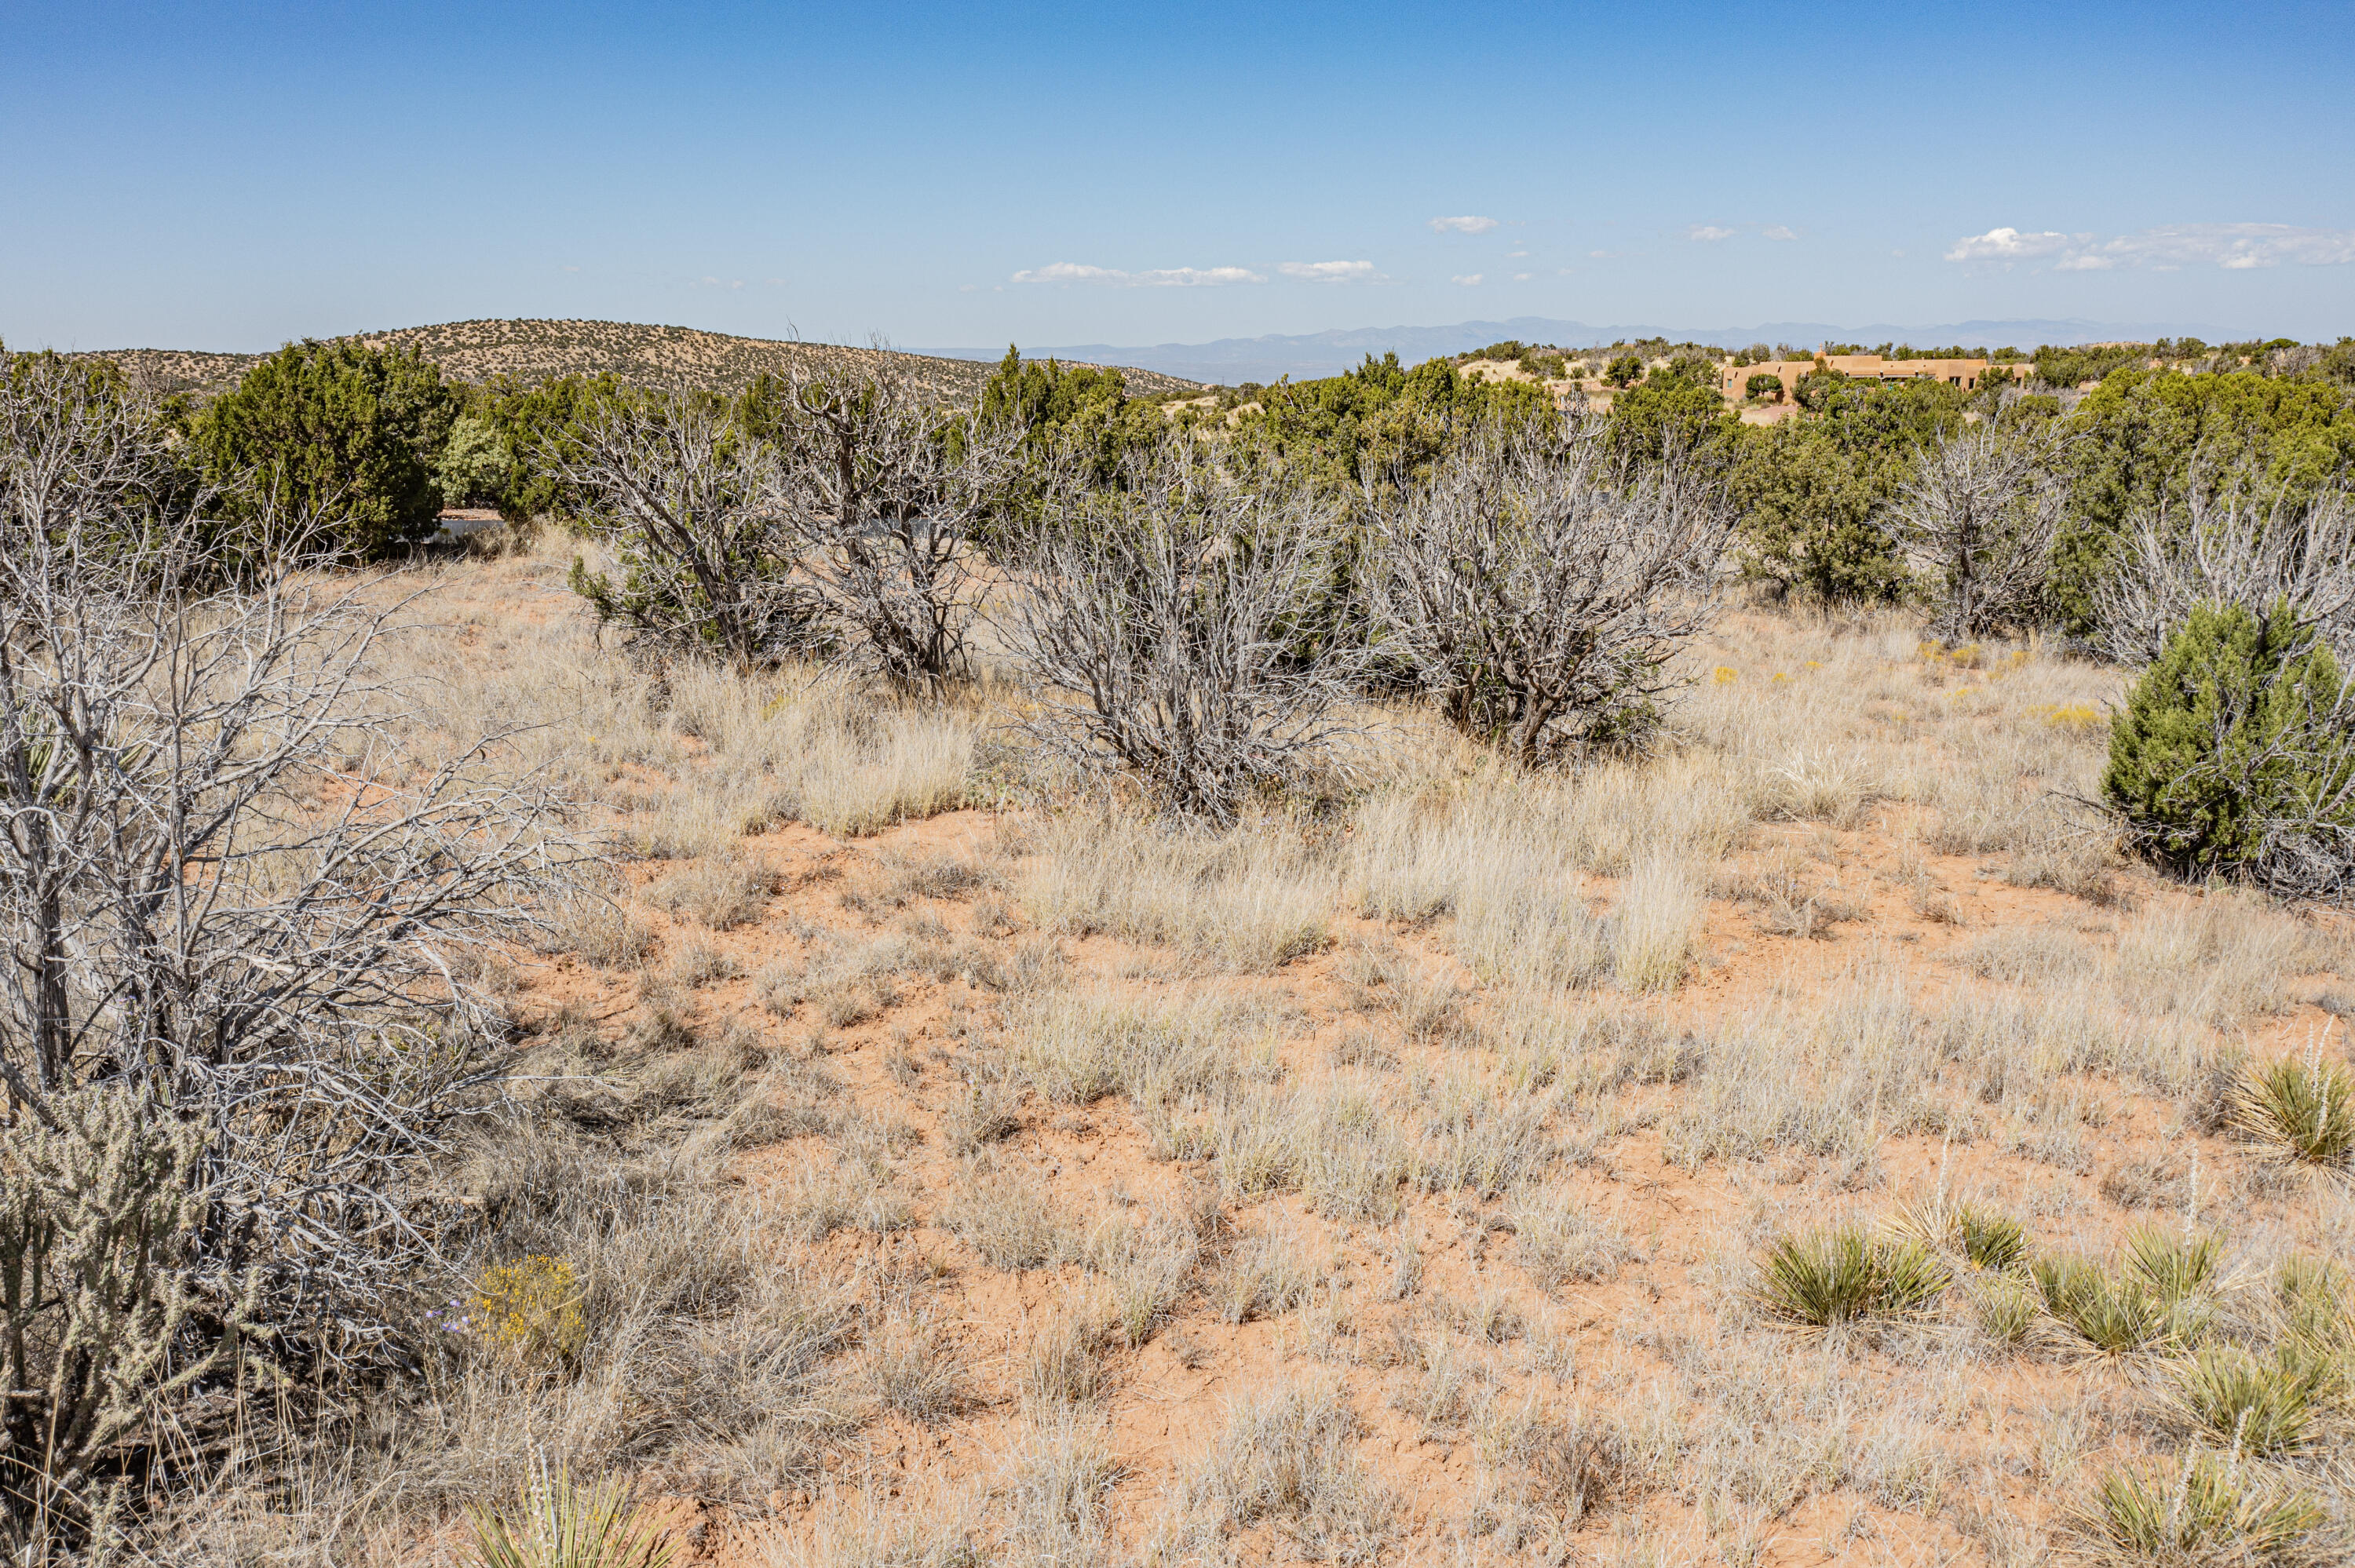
(234, 177)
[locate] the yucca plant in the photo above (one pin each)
(1827, 1277)
(2115, 1316)
(2315, 1309)
(2210, 1510)
(1986, 1238)
(2006, 1310)
(2266, 1405)
(2179, 1270)
(561, 1523)
(1990, 1238)
(2299, 1111)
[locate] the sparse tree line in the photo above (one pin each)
(240, 924)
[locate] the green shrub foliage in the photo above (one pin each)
(349, 435)
(2233, 754)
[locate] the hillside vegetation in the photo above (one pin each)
(665, 358)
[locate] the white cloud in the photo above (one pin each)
(1776, 231)
(1155, 278)
(1523, 277)
(2010, 244)
(1515, 254)
(570, 267)
(1331, 271)
(1069, 272)
(1462, 225)
(1708, 232)
(1466, 278)
(2234, 247)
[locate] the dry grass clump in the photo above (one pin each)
(717, 895)
(1788, 902)
(845, 983)
(1001, 1218)
(1057, 1482)
(1503, 856)
(2032, 955)
(886, 1521)
(1557, 1243)
(1249, 899)
(594, 927)
(2219, 958)
(1266, 1275)
(1146, 1270)
(1061, 1359)
(1655, 926)
(1076, 1048)
(1826, 1080)
(1287, 1457)
(853, 1192)
(912, 1370)
(1474, 1141)
(906, 767)
(1562, 1470)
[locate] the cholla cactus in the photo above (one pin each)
(98, 1206)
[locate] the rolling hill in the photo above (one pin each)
(668, 358)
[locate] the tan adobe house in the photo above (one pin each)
(1962, 373)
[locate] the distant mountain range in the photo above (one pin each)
(1231, 360)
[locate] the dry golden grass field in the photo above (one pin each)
(929, 1160)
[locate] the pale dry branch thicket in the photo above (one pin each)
(1160, 618)
(1978, 517)
(708, 558)
(229, 900)
(1539, 591)
(887, 490)
(225, 888)
(2220, 546)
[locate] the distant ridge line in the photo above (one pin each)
(665, 358)
(1305, 355)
